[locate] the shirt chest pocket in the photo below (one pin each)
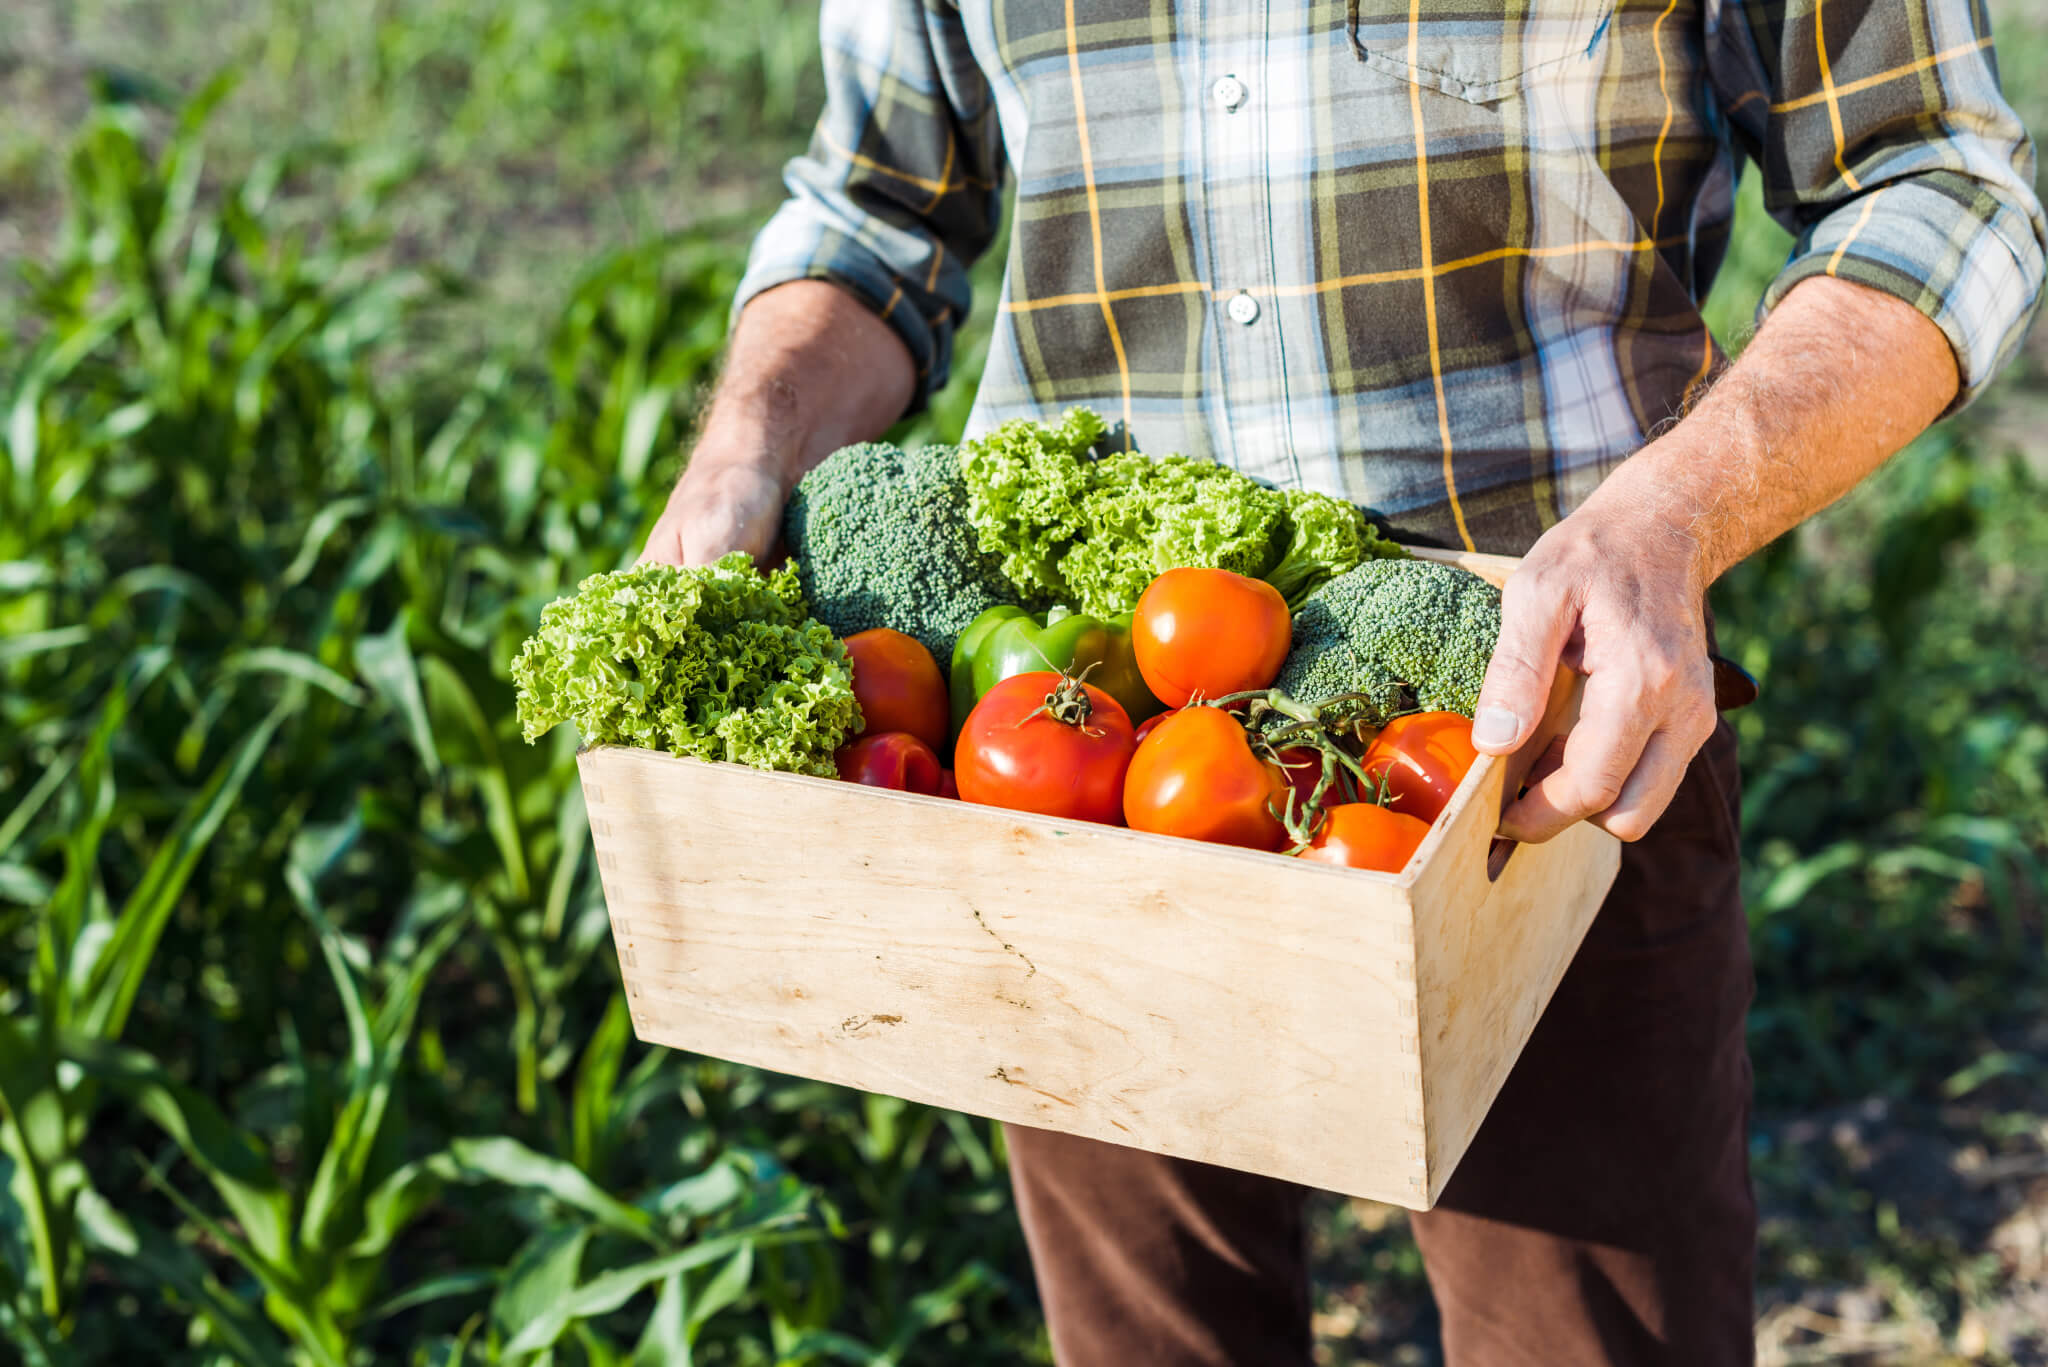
(1478, 51)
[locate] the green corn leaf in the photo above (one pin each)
(78, 893)
(292, 664)
(25, 886)
(608, 1291)
(669, 1339)
(30, 643)
(315, 1334)
(163, 1262)
(333, 1208)
(110, 993)
(507, 1160)
(542, 1274)
(722, 1290)
(456, 714)
(448, 1286)
(385, 662)
(597, 1083)
(322, 526)
(57, 358)
(230, 1160)
(34, 1133)
(397, 1201)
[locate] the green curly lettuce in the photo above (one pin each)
(1092, 531)
(719, 662)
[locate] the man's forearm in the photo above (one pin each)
(1837, 379)
(810, 369)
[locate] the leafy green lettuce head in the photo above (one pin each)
(717, 662)
(1092, 532)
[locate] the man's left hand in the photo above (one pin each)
(1613, 591)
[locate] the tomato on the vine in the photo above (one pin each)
(1197, 776)
(1043, 742)
(1364, 835)
(891, 759)
(899, 687)
(1208, 633)
(1303, 766)
(1421, 759)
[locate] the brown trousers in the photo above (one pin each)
(1603, 1214)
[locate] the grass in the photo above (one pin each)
(311, 1048)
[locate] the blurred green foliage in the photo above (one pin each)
(311, 1048)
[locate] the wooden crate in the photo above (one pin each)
(1339, 1028)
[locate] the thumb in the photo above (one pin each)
(1533, 630)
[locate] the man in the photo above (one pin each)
(1442, 258)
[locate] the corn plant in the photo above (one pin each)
(316, 1050)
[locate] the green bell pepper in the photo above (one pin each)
(1009, 640)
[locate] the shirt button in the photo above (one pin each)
(1242, 308)
(1229, 92)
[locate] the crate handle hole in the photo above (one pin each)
(1497, 857)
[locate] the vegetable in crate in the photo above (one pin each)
(1007, 641)
(1364, 835)
(1199, 775)
(1206, 633)
(882, 539)
(1394, 627)
(1071, 527)
(899, 687)
(1418, 761)
(1046, 743)
(719, 662)
(892, 759)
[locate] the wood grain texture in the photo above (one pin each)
(1341, 1029)
(1190, 999)
(1494, 569)
(1488, 957)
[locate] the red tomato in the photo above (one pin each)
(1015, 753)
(891, 759)
(948, 785)
(1150, 724)
(1422, 759)
(899, 687)
(1303, 766)
(1363, 835)
(1208, 633)
(1196, 776)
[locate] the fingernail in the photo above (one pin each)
(1495, 726)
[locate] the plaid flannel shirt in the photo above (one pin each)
(1441, 257)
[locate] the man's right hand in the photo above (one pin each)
(810, 369)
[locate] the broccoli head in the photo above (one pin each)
(882, 539)
(1392, 628)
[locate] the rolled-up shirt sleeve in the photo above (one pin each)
(900, 189)
(1887, 148)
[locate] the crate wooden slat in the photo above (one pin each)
(1339, 1028)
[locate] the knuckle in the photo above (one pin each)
(1600, 794)
(1630, 826)
(1659, 671)
(1702, 721)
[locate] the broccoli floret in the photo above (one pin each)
(1395, 627)
(882, 539)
